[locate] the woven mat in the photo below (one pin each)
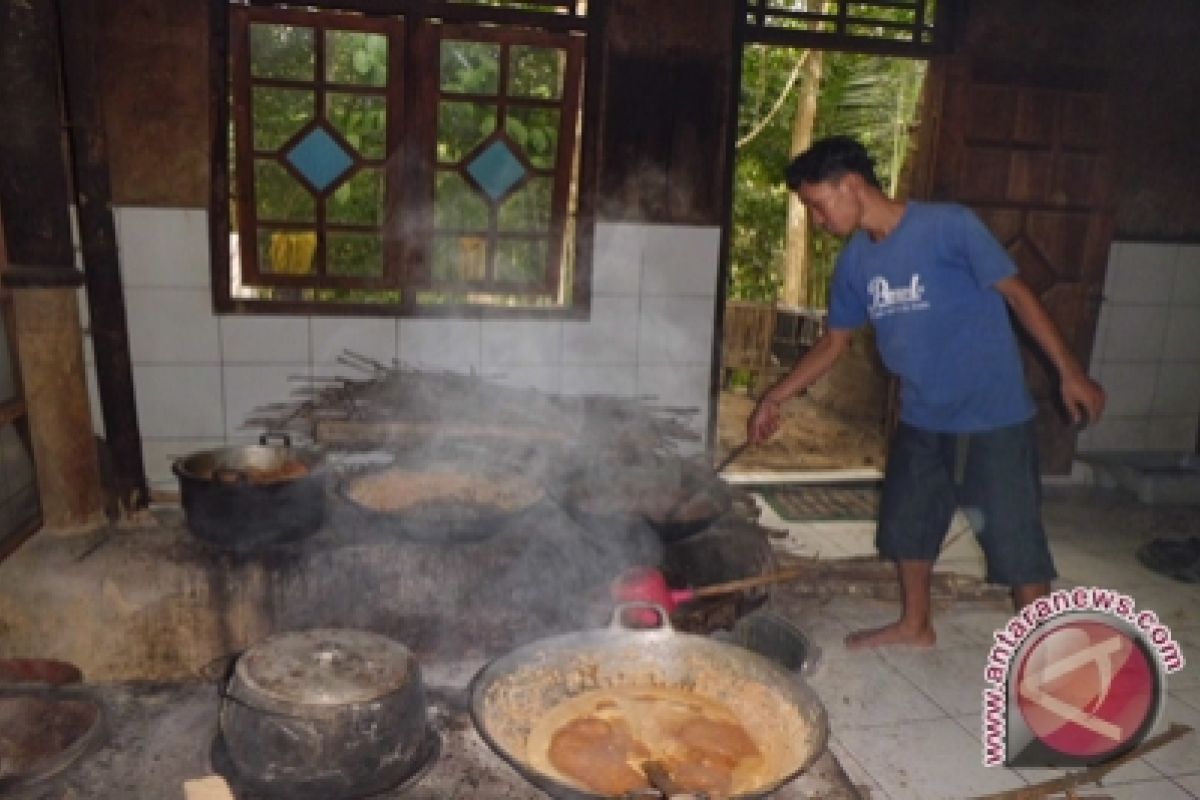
(809, 503)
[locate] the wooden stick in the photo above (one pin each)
(351, 431)
(728, 587)
(1068, 783)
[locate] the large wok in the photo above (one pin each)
(676, 499)
(509, 695)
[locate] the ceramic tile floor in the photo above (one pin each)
(905, 723)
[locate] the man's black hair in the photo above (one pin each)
(829, 159)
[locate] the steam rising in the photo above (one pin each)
(536, 573)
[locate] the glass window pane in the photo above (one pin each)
(356, 57)
(358, 201)
(281, 51)
(521, 260)
(472, 67)
(457, 204)
(279, 196)
(278, 114)
(462, 127)
(459, 258)
(536, 131)
(354, 254)
(286, 252)
(361, 119)
(528, 208)
(536, 72)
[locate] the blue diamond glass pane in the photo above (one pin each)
(320, 159)
(496, 169)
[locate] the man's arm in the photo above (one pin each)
(815, 363)
(1079, 392)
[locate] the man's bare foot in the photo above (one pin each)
(890, 636)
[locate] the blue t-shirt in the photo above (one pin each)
(941, 326)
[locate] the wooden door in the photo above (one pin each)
(1031, 153)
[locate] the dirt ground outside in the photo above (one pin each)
(812, 437)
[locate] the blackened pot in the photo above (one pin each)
(676, 501)
(325, 714)
(223, 505)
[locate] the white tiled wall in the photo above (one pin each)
(1147, 352)
(198, 375)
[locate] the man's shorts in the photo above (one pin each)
(993, 475)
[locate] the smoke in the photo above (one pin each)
(454, 591)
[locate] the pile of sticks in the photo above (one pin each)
(379, 404)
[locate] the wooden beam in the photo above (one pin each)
(97, 234)
(33, 186)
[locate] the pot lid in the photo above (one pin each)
(326, 666)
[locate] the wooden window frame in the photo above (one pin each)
(839, 27)
(416, 28)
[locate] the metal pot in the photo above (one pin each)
(441, 522)
(326, 714)
(509, 695)
(226, 505)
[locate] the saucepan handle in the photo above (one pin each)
(283, 438)
(653, 617)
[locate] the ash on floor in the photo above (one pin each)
(159, 735)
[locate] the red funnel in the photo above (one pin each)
(648, 585)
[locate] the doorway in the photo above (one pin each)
(780, 267)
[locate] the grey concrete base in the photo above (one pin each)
(160, 735)
(1155, 477)
(156, 603)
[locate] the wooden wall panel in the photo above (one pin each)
(155, 79)
(666, 123)
(1148, 51)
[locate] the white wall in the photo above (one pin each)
(1147, 352)
(197, 375)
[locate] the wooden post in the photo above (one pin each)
(795, 290)
(97, 236)
(60, 422)
(41, 274)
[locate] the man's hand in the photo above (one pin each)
(1083, 397)
(764, 421)
(816, 362)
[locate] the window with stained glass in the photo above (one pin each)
(402, 162)
(504, 156)
(316, 113)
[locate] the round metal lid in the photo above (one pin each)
(325, 667)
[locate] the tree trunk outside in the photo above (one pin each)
(795, 261)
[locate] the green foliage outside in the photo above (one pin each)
(869, 97)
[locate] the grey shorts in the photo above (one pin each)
(993, 475)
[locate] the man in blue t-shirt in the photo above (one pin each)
(937, 287)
